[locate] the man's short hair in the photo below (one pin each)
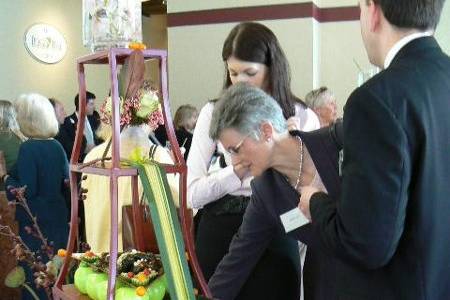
(417, 14)
(89, 96)
(243, 108)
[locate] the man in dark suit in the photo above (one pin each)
(390, 228)
(68, 128)
(66, 136)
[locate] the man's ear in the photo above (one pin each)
(266, 129)
(376, 14)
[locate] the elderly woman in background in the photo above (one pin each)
(10, 140)
(184, 122)
(251, 127)
(10, 137)
(323, 102)
(59, 110)
(43, 168)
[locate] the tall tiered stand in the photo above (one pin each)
(114, 57)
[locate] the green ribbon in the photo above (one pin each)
(167, 228)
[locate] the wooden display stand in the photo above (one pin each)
(114, 170)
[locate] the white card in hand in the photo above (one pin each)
(293, 219)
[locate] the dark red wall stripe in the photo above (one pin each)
(268, 12)
(336, 14)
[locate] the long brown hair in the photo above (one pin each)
(255, 42)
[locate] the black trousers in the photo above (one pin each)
(274, 277)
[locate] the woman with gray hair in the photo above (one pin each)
(251, 127)
(42, 167)
(323, 102)
(10, 137)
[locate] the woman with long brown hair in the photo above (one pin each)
(253, 55)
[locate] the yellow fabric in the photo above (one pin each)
(97, 203)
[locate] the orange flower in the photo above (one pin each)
(137, 46)
(141, 277)
(62, 253)
(140, 291)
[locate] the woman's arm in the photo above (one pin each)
(204, 187)
(304, 120)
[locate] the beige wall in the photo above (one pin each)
(319, 53)
(196, 70)
(20, 73)
(195, 5)
(443, 30)
(154, 33)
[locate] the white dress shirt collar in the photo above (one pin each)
(401, 43)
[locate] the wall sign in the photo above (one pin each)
(45, 43)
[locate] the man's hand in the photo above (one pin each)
(305, 198)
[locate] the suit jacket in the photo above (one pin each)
(271, 196)
(390, 227)
(67, 131)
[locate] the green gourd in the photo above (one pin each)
(129, 293)
(102, 289)
(92, 281)
(157, 288)
(81, 275)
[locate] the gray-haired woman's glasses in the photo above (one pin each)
(234, 150)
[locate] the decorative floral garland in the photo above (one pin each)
(135, 268)
(143, 108)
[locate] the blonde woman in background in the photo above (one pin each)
(42, 167)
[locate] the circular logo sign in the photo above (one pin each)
(45, 43)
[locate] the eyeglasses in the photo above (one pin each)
(235, 150)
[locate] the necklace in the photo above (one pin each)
(297, 182)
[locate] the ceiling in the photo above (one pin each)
(154, 7)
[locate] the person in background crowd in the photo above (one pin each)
(70, 125)
(389, 226)
(10, 137)
(323, 102)
(61, 137)
(184, 122)
(43, 168)
(253, 55)
(60, 116)
(10, 140)
(59, 110)
(67, 140)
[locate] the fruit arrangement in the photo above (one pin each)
(141, 276)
